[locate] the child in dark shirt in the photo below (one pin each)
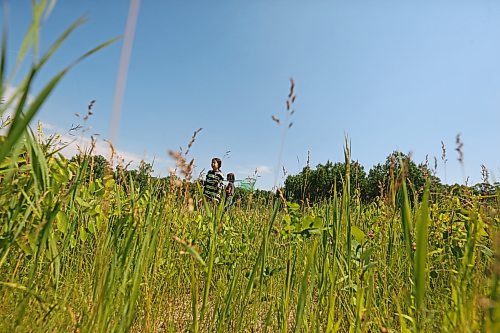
(212, 187)
(229, 190)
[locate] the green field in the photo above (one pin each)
(128, 252)
(96, 255)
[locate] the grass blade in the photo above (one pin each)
(304, 286)
(420, 270)
(406, 219)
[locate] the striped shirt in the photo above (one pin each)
(213, 185)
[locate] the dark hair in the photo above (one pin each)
(219, 162)
(230, 177)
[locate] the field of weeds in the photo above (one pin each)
(117, 253)
(96, 255)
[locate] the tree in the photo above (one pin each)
(375, 182)
(315, 185)
(99, 166)
(140, 177)
(144, 174)
(381, 176)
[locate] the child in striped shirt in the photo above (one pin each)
(212, 187)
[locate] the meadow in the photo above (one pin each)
(96, 255)
(80, 253)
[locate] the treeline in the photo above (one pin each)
(319, 184)
(97, 167)
(311, 185)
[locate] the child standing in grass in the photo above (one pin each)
(229, 190)
(212, 187)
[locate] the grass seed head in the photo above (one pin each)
(460, 149)
(443, 152)
(485, 175)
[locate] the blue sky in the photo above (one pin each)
(392, 75)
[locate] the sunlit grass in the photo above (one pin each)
(88, 254)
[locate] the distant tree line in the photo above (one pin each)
(316, 185)
(97, 166)
(311, 185)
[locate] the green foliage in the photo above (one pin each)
(140, 177)
(316, 185)
(85, 249)
(99, 255)
(97, 166)
(381, 176)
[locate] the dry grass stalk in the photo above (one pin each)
(186, 170)
(485, 175)
(90, 111)
(289, 112)
(460, 149)
(193, 139)
(443, 153)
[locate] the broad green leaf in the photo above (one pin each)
(91, 227)
(24, 246)
(83, 234)
(62, 222)
(98, 222)
(317, 222)
(358, 234)
(72, 241)
(82, 202)
(307, 222)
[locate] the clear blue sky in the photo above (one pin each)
(392, 75)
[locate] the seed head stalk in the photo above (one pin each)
(289, 112)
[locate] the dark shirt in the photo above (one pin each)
(229, 193)
(213, 185)
(230, 189)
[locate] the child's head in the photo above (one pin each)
(230, 177)
(216, 164)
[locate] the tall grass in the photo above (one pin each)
(97, 255)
